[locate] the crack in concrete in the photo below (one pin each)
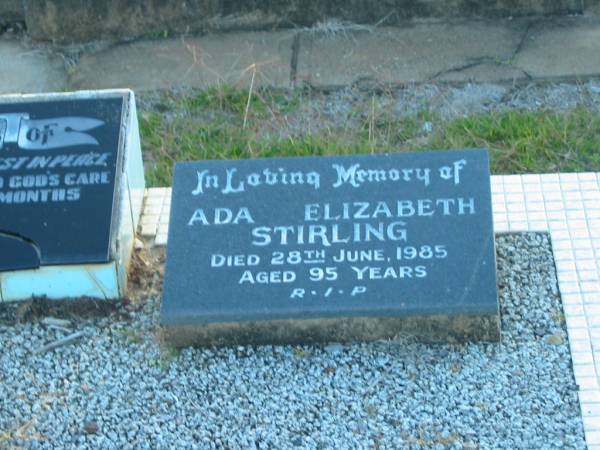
(522, 41)
(294, 59)
(520, 45)
(527, 74)
(473, 63)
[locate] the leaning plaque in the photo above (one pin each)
(301, 250)
(71, 192)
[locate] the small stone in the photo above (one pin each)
(91, 427)
(539, 332)
(554, 339)
(53, 321)
(138, 244)
(595, 88)
(334, 348)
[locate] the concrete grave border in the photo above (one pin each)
(565, 205)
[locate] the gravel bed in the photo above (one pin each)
(118, 388)
(347, 107)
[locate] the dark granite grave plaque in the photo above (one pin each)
(58, 161)
(331, 249)
(71, 190)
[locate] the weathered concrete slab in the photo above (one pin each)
(413, 53)
(196, 62)
(67, 21)
(565, 47)
(466, 51)
(26, 70)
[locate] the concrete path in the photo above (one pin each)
(327, 56)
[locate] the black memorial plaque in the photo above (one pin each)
(296, 240)
(58, 166)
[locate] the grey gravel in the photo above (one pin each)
(349, 107)
(118, 388)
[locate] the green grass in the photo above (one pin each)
(530, 141)
(223, 123)
(187, 140)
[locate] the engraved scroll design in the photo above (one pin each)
(46, 134)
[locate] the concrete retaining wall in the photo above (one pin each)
(11, 11)
(69, 21)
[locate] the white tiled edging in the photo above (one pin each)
(567, 206)
(155, 218)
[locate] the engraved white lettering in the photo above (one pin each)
(222, 216)
(453, 173)
(236, 183)
(355, 176)
(328, 235)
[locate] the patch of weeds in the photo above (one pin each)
(331, 28)
(24, 433)
(559, 317)
(370, 409)
(389, 133)
(504, 62)
(74, 309)
(282, 102)
(386, 131)
(455, 367)
(156, 34)
(429, 437)
(167, 356)
(132, 337)
(299, 352)
(225, 98)
(482, 406)
(427, 115)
